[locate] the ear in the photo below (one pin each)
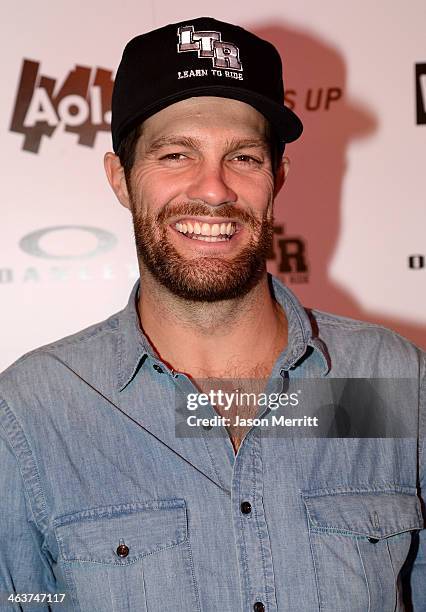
(281, 175)
(116, 178)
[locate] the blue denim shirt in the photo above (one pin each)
(102, 501)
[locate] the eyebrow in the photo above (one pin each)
(180, 141)
(193, 143)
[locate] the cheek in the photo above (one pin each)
(258, 195)
(151, 190)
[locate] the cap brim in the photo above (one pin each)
(287, 124)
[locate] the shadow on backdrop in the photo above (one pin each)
(316, 88)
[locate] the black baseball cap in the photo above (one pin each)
(199, 57)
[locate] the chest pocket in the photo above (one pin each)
(359, 542)
(128, 557)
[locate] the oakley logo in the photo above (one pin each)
(32, 243)
(209, 45)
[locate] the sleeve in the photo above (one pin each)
(417, 573)
(24, 568)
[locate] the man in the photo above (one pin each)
(113, 494)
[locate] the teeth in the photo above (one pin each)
(205, 231)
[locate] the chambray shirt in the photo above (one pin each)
(103, 501)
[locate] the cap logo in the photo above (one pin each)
(209, 45)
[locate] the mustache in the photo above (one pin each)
(193, 209)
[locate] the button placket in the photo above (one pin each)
(251, 530)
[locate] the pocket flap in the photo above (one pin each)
(142, 528)
(375, 514)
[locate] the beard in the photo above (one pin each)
(205, 278)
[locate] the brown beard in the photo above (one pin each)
(206, 278)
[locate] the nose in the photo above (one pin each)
(209, 184)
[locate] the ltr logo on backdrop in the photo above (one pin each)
(290, 253)
(421, 93)
(82, 104)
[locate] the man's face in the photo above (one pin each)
(201, 193)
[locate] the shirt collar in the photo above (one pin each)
(134, 347)
(303, 338)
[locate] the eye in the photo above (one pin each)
(174, 157)
(247, 159)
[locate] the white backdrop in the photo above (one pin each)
(352, 212)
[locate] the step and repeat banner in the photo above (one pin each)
(350, 235)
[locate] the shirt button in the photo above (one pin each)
(373, 540)
(157, 368)
(246, 509)
(122, 550)
(259, 607)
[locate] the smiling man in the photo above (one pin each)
(134, 476)
(201, 194)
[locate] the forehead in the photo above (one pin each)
(210, 116)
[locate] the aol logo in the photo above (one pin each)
(82, 104)
(209, 44)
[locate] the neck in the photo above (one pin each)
(212, 338)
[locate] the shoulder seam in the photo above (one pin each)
(352, 324)
(329, 319)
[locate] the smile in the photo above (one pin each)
(208, 232)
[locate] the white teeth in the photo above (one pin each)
(205, 229)
(213, 232)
